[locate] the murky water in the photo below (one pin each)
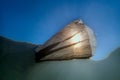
(17, 63)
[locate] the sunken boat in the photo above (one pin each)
(74, 41)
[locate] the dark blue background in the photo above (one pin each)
(36, 21)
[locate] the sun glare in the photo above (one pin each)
(76, 38)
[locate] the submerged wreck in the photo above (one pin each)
(75, 41)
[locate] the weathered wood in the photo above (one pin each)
(74, 41)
